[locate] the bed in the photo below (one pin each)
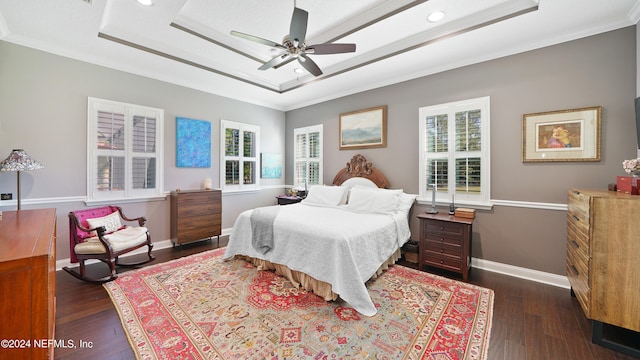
(334, 240)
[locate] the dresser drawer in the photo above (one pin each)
(577, 241)
(578, 276)
(578, 206)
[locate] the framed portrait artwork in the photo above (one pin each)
(565, 135)
(364, 129)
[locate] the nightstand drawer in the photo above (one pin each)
(444, 239)
(443, 228)
(437, 248)
(444, 262)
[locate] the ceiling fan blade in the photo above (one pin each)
(298, 28)
(330, 48)
(274, 62)
(257, 39)
(311, 66)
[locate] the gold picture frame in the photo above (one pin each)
(363, 129)
(564, 135)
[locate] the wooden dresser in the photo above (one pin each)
(445, 242)
(27, 283)
(603, 255)
(195, 215)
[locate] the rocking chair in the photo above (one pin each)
(99, 234)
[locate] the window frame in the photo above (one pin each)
(481, 200)
(128, 193)
(242, 127)
(307, 159)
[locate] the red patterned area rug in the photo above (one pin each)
(201, 307)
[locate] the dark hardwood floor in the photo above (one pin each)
(530, 320)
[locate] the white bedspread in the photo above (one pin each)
(333, 245)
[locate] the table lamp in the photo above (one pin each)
(18, 161)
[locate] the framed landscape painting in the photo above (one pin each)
(364, 129)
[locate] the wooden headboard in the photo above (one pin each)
(358, 166)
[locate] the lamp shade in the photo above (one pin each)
(19, 160)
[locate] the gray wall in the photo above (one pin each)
(43, 102)
(595, 71)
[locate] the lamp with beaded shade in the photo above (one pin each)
(19, 161)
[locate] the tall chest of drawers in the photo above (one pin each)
(603, 255)
(445, 242)
(195, 215)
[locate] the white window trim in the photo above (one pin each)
(306, 130)
(95, 197)
(482, 201)
(224, 124)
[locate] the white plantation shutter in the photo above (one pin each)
(307, 156)
(240, 147)
(124, 151)
(454, 152)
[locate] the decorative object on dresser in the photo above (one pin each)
(445, 243)
(195, 215)
(565, 135)
(28, 283)
(18, 161)
(602, 261)
(629, 184)
(99, 234)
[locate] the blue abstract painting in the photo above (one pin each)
(193, 143)
(271, 166)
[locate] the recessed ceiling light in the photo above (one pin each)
(298, 71)
(146, 2)
(435, 16)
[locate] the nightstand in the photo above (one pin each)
(286, 200)
(445, 243)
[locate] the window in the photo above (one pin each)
(125, 151)
(454, 152)
(240, 163)
(307, 156)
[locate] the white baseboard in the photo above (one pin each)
(522, 273)
(510, 270)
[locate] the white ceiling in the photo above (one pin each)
(188, 42)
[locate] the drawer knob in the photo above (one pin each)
(441, 261)
(441, 239)
(575, 218)
(573, 268)
(441, 251)
(575, 244)
(441, 227)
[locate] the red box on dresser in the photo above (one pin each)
(627, 184)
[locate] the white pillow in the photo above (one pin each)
(321, 195)
(369, 200)
(111, 222)
(405, 202)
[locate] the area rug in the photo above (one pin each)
(202, 307)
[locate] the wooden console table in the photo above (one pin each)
(28, 282)
(445, 242)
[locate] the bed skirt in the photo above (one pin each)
(300, 279)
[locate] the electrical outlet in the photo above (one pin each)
(7, 196)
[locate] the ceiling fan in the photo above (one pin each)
(294, 45)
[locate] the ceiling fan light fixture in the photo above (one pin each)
(145, 2)
(435, 16)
